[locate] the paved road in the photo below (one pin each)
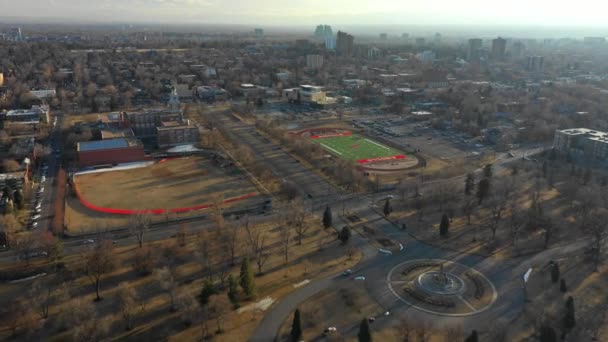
(504, 274)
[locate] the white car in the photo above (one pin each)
(41, 189)
(88, 241)
(35, 217)
(359, 278)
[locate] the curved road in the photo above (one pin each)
(505, 274)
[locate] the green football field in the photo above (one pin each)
(356, 147)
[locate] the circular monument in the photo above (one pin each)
(441, 287)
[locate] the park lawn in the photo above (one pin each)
(356, 147)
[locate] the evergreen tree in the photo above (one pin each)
(327, 218)
(344, 235)
(444, 225)
(296, 327)
(233, 290)
(587, 176)
(387, 207)
(554, 272)
(487, 171)
(469, 184)
(365, 334)
(547, 334)
(483, 189)
(473, 337)
(207, 291)
(562, 286)
(246, 278)
(19, 199)
(569, 318)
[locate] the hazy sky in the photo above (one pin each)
(308, 12)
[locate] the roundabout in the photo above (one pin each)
(441, 287)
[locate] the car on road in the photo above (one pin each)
(88, 241)
(347, 272)
(41, 189)
(330, 331)
(35, 254)
(359, 278)
(511, 154)
(36, 217)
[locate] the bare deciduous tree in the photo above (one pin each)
(97, 262)
(517, 221)
(285, 237)
(167, 283)
(139, 226)
(256, 239)
(219, 305)
(297, 217)
(130, 303)
(203, 255)
(598, 231)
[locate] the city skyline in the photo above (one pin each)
(519, 13)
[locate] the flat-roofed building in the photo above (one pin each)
(175, 133)
(110, 152)
(582, 143)
(34, 115)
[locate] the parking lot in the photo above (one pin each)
(420, 136)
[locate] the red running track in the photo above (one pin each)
(331, 135)
(154, 211)
(373, 160)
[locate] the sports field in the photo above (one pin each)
(357, 148)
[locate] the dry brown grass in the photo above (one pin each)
(183, 182)
(306, 262)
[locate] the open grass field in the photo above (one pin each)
(356, 148)
(176, 183)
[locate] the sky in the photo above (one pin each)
(587, 13)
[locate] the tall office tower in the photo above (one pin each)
(314, 61)
(499, 46)
(344, 43)
(518, 49)
(535, 63)
(323, 31)
(474, 50)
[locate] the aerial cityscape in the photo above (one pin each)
(265, 171)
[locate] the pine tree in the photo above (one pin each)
(233, 290)
(344, 235)
(387, 207)
(327, 218)
(444, 225)
(487, 171)
(587, 176)
(296, 327)
(483, 189)
(207, 291)
(365, 334)
(469, 184)
(547, 334)
(555, 273)
(19, 199)
(569, 318)
(246, 278)
(473, 337)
